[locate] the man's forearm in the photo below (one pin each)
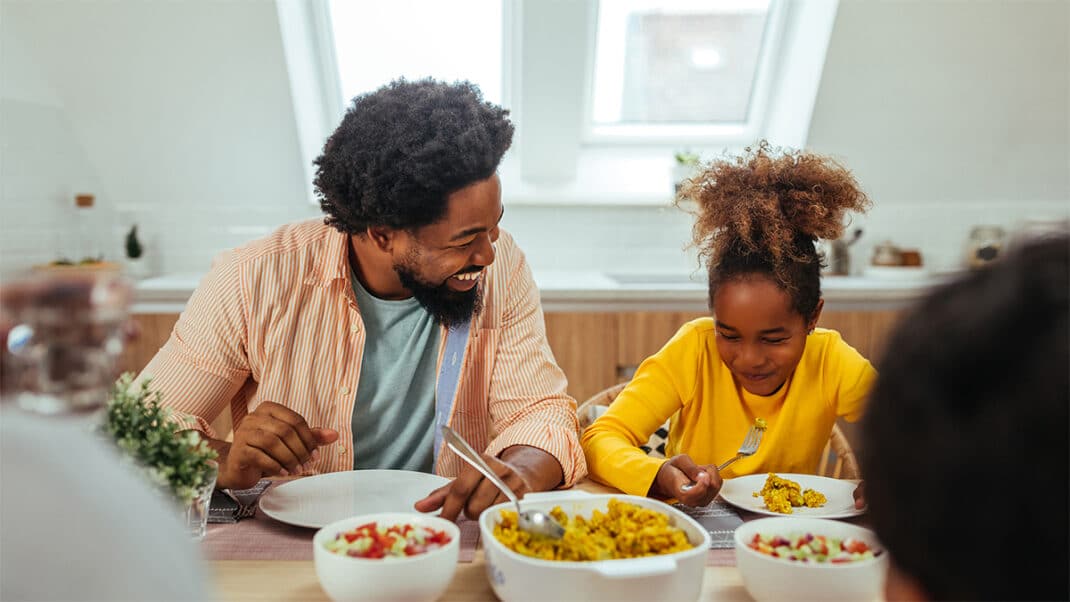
(539, 468)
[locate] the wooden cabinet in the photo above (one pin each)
(153, 331)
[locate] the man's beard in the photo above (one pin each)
(447, 306)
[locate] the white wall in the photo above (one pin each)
(178, 115)
(42, 165)
(950, 114)
(184, 109)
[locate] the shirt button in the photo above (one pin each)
(354, 328)
(345, 390)
(341, 450)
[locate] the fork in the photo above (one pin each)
(751, 440)
(750, 445)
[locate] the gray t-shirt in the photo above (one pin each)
(394, 414)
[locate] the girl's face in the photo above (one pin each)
(759, 336)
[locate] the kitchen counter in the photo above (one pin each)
(577, 291)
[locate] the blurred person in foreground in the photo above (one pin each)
(966, 453)
(75, 523)
(347, 342)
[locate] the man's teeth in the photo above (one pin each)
(468, 276)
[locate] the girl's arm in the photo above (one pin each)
(662, 385)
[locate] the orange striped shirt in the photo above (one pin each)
(277, 320)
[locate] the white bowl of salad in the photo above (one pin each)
(787, 558)
(386, 556)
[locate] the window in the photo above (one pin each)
(678, 69)
(376, 42)
(602, 92)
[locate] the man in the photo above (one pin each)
(346, 343)
(966, 448)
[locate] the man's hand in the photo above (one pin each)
(523, 468)
(860, 495)
(689, 483)
(273, 440)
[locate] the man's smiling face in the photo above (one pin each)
(441, 263)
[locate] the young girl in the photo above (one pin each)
(760, 355)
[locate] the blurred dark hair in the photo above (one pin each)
(402, 149)
(762, 212)
(965, 453)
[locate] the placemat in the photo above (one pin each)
(719, 519)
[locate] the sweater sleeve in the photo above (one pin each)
(663, 384)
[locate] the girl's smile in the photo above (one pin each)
(760, 337)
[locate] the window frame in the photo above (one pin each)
(691, 134)
(557, 158)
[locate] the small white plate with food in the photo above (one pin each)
(839, 501)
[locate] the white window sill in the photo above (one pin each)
(626, 177)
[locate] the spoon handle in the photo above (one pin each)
(470, 455)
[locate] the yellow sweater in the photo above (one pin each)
(710, 413)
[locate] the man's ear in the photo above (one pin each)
(382, 237)
(812, 323)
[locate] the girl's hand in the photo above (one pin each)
(689, 483)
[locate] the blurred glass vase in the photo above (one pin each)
(66, 335)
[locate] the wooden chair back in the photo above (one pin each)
(585, 411)
(838, 460)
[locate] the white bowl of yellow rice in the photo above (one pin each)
(660, 551)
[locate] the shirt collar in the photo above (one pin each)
(333, 263)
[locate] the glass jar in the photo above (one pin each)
(195, 515)
(984, 245)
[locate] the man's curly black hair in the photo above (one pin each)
(401, 150)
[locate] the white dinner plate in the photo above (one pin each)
(321, 499)
(839, 493)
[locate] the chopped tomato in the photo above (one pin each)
(808, 547)
(373, 541)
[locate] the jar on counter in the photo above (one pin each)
(984, 245)
(887, 254)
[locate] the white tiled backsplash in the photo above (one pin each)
(184, 237)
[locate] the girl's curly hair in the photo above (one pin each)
(763, 211)
(401, 150)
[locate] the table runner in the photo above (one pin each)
(263, 538)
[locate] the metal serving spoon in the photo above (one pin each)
(532, 521)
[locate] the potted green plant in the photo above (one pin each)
(135, 264)
(146, 434)
(686, 163)
(133, 245)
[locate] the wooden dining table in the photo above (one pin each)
(296, 581)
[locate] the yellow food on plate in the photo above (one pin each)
(623, 531)
(780, 495)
